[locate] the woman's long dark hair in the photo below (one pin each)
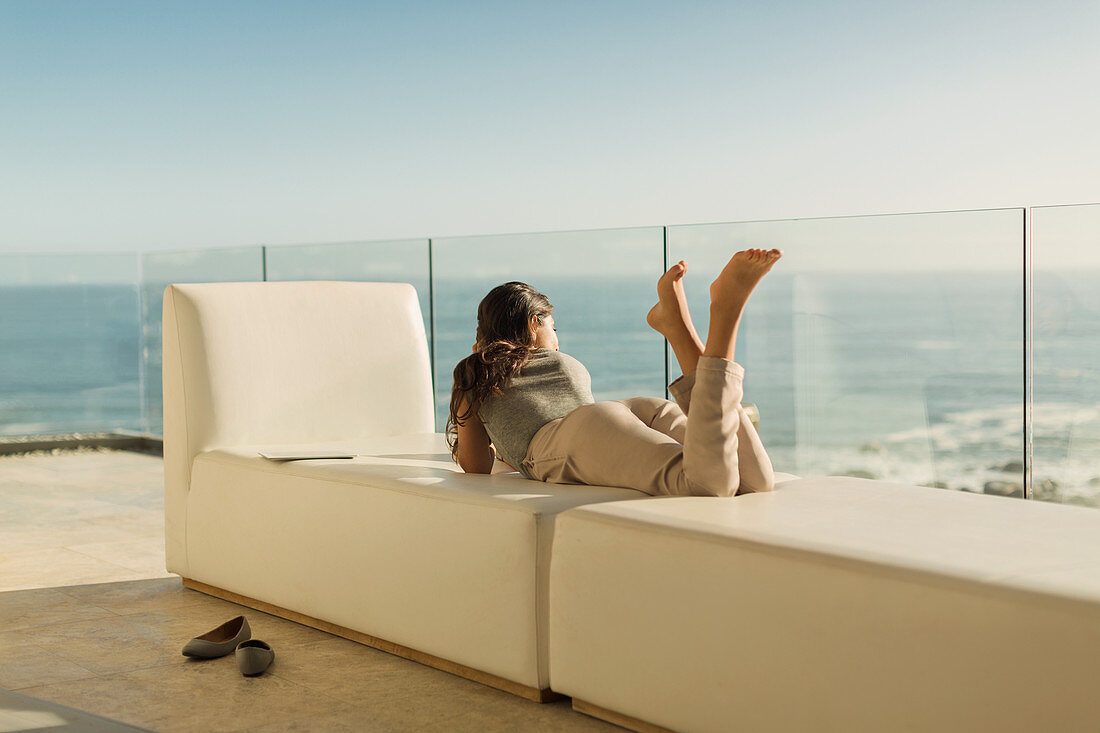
(504, 343)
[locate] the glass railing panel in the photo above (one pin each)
(600, 282)
(160, 269)
(69, 352)
(884, 346)
(391, 261)
(1065, 255)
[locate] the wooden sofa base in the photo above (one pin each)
(515, 688)
(617, 718)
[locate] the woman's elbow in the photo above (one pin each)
(475, 465)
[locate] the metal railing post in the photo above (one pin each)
(1029, 445)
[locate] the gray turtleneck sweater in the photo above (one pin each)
(550, 385)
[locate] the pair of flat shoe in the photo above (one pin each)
(253, 656)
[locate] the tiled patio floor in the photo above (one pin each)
(80, 517)
(70, 523)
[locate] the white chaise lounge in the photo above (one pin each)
(396, 548)
(830, 604)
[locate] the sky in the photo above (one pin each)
(143, 125)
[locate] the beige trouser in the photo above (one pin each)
(657, 446)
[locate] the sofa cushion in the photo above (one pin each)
(830, 604)
(398, 543)
(419, 463)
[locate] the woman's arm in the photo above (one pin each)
(474, 452)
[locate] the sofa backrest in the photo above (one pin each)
(286, 363)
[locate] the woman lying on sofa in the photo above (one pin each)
(517, 397)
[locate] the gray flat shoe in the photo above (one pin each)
(220, 641)
(253, 657)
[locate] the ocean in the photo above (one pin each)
(69, 359)
(908, 377)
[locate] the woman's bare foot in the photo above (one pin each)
(672, 319)
(671, 315)
(728, 294)
(735, 283)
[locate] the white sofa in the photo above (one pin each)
(397, 548)
(830, 604)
